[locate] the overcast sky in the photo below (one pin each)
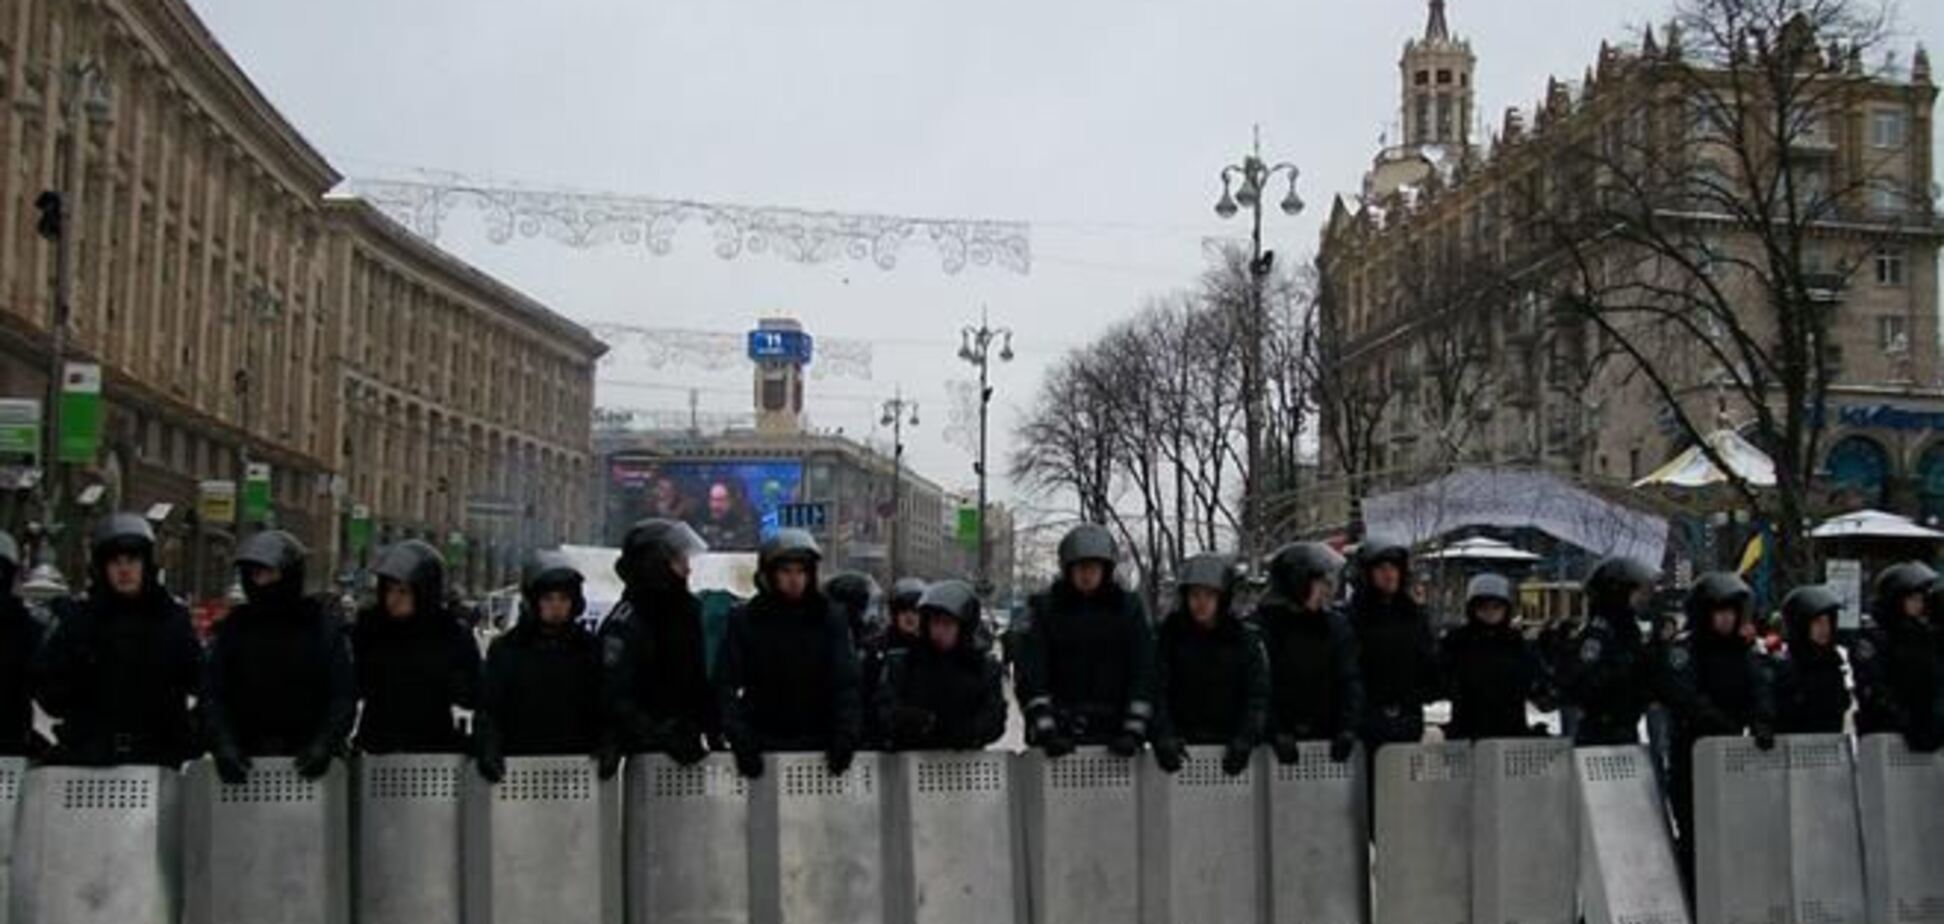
(1102, 122)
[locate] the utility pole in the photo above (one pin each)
(975, 347)
(894, 417)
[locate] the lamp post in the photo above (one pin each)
(1254, 176)
(895, 412)
(975, 347)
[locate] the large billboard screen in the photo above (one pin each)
(732, 504)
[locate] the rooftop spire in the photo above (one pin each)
(1436, 29)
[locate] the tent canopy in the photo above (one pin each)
(1693, 469)
(1516, 499)
(1872, 524)
(1482, 549)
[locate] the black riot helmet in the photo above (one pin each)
(1211, 571)
(1483, 588)
(1088, 542)
(1613, 580)
(1374, 552)
(122, 534)
(551, 572)
(1804, 604)
(1296, 566)
(651, 548)
(857, 594)
(906, 592)
(1899, 581)
(417, 565)
(788, 546)
(1716, 590)
(954, 600)
(275, 549)
(9, 562)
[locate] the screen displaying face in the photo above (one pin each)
(731, 504)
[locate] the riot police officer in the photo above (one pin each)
(1395, 643)
(907, 625)
(1490, 670)
(542, 693)
(1899, 662)
(1315, 675)
(1085, 670)
(858, 597)
(653, 648)
(20, 640)
(945, 692)
(415, 661)
(1606, 672)
(1811, 697)
(120, 667)
(1211, 672)
(279, 680)
(787, 675)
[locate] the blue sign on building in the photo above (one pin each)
(791, 346)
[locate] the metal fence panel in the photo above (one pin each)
(544, 844)
(1525, 832)
(953, 839)
(273, 849)
(408, 857)
(1423, 833)
(688, 841)
(1082, 837)
(97, 846)
(1201, 842)
(1627, 869)
(1319, 841)
(1903, 829)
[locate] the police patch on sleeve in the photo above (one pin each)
(1590, 650)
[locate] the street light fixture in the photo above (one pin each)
(1254, 175)
(895, 417)
(975, 347)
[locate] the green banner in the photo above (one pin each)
(968, 527)
(455, 551)
(256, 492)
(20, 431)
(80, 413)
(358, 531)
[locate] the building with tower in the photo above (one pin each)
(1435, 74)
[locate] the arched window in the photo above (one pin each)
(1858, 471)
(1930, 484)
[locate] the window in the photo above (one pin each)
(1444, 77)
(1423, 78)
(1887, 128)
(1444, 117)
(1893, 335)
(1889, 268)
(1886, 198)
(1422, 128)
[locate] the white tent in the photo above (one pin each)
(1693, 468)
(1872, 524)
(1480, 548)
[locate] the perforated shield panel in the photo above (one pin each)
(1423, 798)
(829, 840)
(687, 842)
(950, 829)
(408, 838)
(1903, 830)
(1525, 832)
(1319, 846)
(543, 845)
(1202, 835)
(1627, 871)
(1082, 837)
(11, 771)
(97, 846)
(272, 848)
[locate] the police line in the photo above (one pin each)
(1524, 831)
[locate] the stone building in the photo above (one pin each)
(1438, 282)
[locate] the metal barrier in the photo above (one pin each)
(817, 842)
(1903, 829)
(97, 846)
(1627, 869)
(1319, 840)
(1080, 814)
(1202, 834)
(687, 841)
(1424, 809)
(1525, 832)
(544, 844)
(408, 843)
(273, 848)
(1776, 832)
(954, 839)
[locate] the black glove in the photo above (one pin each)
(1288, 750)
(1169, 754)
(1540, 730)
(1056, 744)
(749, 762)
(607, 761)
(231, 766)
(839, 757)
(315, 759)
(1125, 744)
(1342, 747)
(911, 724)
(492, 766)
(686, 748)
(1235, 757)
(1764, 737)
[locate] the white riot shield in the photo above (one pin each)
(544, 844)
(953, 838)
(273, 849)
(1081, 815)
(1741, 832)
(1902, 797)
(1825, 831)
(97, 846)
(688, 841)
(1319, 841)
(1424, 795)
(1525, 832)
(817, 842)
(1627, 870)
(1201, 842)
(408, 838)
(12, 770)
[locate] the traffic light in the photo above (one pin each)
(49, 204)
